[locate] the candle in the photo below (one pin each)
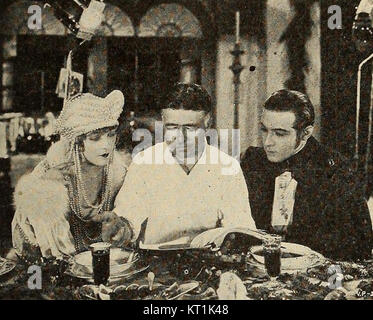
(237, 26)
(3, 140)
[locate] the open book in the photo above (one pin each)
(213, 238)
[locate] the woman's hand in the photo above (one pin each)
(115, 230)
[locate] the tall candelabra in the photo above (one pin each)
(236, 68)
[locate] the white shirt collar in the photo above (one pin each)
(170, 159)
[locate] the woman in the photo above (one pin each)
(64, 204)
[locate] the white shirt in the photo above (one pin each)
(179, 204)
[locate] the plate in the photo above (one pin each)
(82, 262)
(113, 278)
(297, 258)
(178, 244)
(6, 266)
(89, 291)
(81, 265)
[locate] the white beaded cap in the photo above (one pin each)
(86, 112)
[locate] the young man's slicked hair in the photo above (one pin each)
(293, 101)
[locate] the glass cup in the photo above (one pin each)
(100, 262)
(272, 255)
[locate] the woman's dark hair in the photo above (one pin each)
(104, 130)
(187, 96)
(296, 102)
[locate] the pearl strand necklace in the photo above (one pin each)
(80, 182)
(75, 203)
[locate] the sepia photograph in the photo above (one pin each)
(188, 150)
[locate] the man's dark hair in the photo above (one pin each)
(296, 102)
(188, 96)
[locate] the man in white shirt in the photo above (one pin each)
(180, 185)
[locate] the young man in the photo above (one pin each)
(299, 189)
(181, 186)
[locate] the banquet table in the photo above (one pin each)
(311, 284)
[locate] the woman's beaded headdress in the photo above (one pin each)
(82, 114)
(86, 112)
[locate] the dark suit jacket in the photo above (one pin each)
(330, 213)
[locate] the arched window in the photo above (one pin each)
(164, 51)
(169, 20)
(143, 60)
(116, 23)
(38, 55)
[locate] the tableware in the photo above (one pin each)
(178, 244)
(151, 277)
(113, 278)
(104, 292)
(131, 257)
(6, 266)
(100, 262)
(177, 291)
(95, 292)
(137, 291)
(81, 265)
(118, 261)
(89, 291)
(272, 255)
(294, 257)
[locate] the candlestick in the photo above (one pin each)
(236, 68)
(237, 26)
(3, 141)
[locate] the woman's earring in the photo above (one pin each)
(118, 142)
(81, 150)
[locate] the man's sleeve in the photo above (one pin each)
(237, 212)
(361, 236)
(352, 219)
(130, 202)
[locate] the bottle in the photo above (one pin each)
(20, 141)
(132, 121)
(66, 19)
(41, 138)
(32, 138)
